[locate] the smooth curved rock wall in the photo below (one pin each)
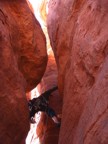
(23, 61)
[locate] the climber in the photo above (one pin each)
(41, 104)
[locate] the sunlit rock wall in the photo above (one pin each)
(79, 37)
(46, 131)
(23, 60)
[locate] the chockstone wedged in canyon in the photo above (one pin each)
(78, 31)
(23, 59)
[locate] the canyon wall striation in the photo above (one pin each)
(79, 38)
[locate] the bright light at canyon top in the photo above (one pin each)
(37, 5)
(39, 12)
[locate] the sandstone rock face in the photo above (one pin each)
(23, 60)
(47, 130)
(79, 37)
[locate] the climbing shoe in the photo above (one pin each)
(58, 124)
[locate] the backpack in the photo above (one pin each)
(37, 103)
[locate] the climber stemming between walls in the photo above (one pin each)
(41, 104)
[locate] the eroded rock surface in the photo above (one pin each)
(47, 130)
(23, 60)
(79, 37)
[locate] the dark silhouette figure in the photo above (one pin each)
(41, 104)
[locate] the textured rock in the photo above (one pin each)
(23, 60)
(47, 130)
(78, 34)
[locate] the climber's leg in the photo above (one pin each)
(51, 113)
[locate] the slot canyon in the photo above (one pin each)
(60, 43)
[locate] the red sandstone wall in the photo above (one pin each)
(79, 37)
(23, 61)
(46, 130)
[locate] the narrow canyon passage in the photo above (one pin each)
(45, 130)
